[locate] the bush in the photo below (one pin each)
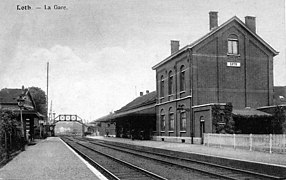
(10, 135)
(222, 119)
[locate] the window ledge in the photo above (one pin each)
(181, 92)
(237, 55)
(183, 131)
(171, 131)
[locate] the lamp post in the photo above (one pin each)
(181, 108)
(21, 101)
(41, 123)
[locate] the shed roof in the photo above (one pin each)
(144, 110)
(249, 112)
(144, 100)
(8, 101)
(104, 118)
(141, 105)
(10, 95)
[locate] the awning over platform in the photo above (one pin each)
(15, 108)
(143, 105)
(146, 110)
(249, 112)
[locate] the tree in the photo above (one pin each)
(278, 122)
(222, 119)
(8, 121)
(39, 97)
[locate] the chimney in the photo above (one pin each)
(141, 93)
(213, 20)
(250, 23)
(23, 90)
(147, 91)
(175, 45)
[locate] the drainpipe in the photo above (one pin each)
(176, 97)
(191, 88)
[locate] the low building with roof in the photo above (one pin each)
(136, 119)
(105, 126)
(279, 95)
(8, 101)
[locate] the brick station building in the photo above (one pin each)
(230, 64)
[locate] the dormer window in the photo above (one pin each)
(232, 45)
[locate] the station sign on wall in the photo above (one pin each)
(233, 64)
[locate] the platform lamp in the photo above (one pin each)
(21, 102)
(181, 108)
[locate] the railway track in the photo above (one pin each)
(203, 167)
(111, 167)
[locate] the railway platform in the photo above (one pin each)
(49, 159)
(255, 157)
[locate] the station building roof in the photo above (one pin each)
(195, 43)
(142, 105)
(8, 101)
(141, 101)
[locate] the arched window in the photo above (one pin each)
(163, 120)
(202, 126)
(183, 120)
(171, 120)
(162, 86)
(232, 45)
(182, 78)
(170, 82)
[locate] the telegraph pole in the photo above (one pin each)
(47, 91)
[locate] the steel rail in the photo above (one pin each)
(148, 173)
(103, 170)
(189, 160)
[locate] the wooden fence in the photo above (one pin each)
(272, 143)
(9, 143)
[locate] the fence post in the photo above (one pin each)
(204, 139)
(208, 139)
(250, 142)
(10, 141)
(5, 137)
(220, 140)
(284, 143)
(6, 145)
(234, 141)
(270, 143)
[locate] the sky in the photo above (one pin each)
(101, 53)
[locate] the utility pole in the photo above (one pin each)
(51, 111)
(47, 91)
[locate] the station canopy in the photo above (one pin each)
(142, 105)
(249, 112)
